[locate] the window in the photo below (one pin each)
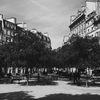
(92, 28)
(8, 40)
(5, 31)
(12, 33)
(11, 40)
(92, 35)
(88, 23)
(8, 32)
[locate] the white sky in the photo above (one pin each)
(52, 16)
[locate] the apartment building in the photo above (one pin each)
(92, 18)
(44, 37)
(77, 23)
(8, 27)
(87, 20)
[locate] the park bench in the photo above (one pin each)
(17, 78)
(95, 79)
(96, 76)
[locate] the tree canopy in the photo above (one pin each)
(27, 50)
(81, 52)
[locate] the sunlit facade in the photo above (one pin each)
(87, 20)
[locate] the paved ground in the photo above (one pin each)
(60, 91)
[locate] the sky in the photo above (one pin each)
(52, 16)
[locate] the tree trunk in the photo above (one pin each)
(27, 76)
(38, 76)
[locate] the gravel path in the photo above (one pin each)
(41, 91)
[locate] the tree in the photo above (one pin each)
(81, 51)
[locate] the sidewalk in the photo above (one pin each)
(42, 91)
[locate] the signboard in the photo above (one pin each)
(9, 25)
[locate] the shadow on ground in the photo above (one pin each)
(25, 96)
(15, 96)
(83, 84)
(41, 82)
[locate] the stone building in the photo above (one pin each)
(87, 20)
(8, 27)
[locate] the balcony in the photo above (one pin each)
(90, 16)
(77, 20)
(96, 20)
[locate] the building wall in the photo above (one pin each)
(86, 26)
(9, 30)
(90, 6)
(46, 40)
(12, 20)
(8, 27)
(78, 26)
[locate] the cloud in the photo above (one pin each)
(37, 3)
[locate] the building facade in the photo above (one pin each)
(78, 24)
(87, 20)
(43, 37)
(8, 29)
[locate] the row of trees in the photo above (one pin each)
(28, 50)
(80, 52)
